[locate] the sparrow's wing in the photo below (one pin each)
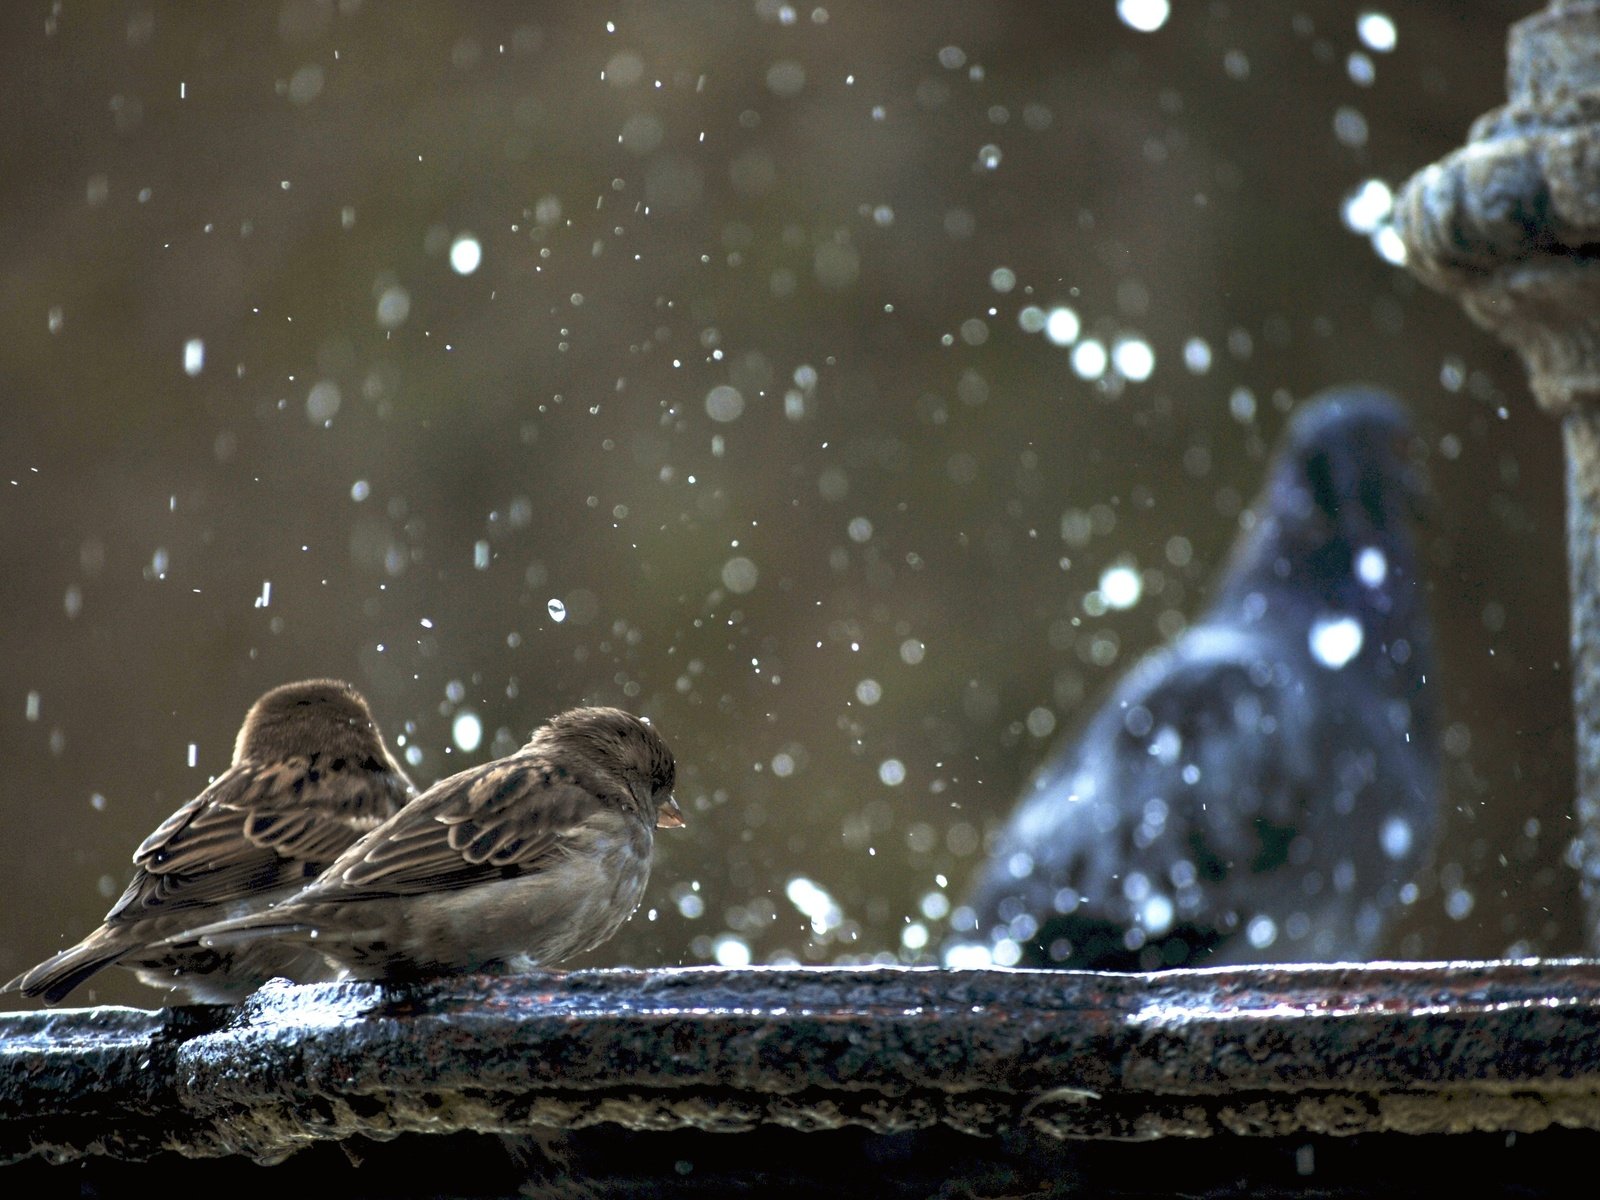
(1172, 810)
(509, 818)
(259, 827)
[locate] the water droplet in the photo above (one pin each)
(724, 403)
(1146, 16)
(1156, 914)
(739, 575)
(1262, 931)
(467, 731)
(1395, 836)
(968, 956)
(1377, 31)
(1041, 722)
(322, 404)
(394, 306)
(1134, 358)
(1368, 207)
(466, 254)
(1006, 953)
(1372, 567)
(1197, 355)
(1389, 245)
(814, 902)
(1089, 359)
(1335, 639)
(1061, 326)
(1349, 126)
(1121, 586)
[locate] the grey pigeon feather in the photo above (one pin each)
(1264, 787)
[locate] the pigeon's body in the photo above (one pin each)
(310, 775)
(1261, 789)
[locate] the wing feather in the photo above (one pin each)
(1203, 758)
(506, 818)
(258, 826)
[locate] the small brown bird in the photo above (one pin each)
(520, 862)
(310, 775)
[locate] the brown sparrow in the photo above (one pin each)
(523, 861)
(310, 775)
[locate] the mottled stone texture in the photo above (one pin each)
(991, 1056)
(1509, 224)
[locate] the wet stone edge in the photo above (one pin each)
(1403, 1048)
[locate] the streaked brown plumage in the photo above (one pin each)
(310, 775)
(523, 861)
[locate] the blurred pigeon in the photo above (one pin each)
(1263, 788)
(310, 775)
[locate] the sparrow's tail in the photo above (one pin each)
(60, 974)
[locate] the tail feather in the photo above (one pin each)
(54, 978)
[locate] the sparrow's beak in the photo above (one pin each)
(669, 815)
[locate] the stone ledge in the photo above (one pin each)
(1283, 1052)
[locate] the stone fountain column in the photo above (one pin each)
(1510, 225)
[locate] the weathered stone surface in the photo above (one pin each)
(96, 1081)
(1510, 224)
(1269, 1052)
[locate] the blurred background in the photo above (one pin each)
(792, 374)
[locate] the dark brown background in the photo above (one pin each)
(178, 171)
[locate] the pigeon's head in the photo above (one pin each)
(1333, 528)
(1346, 471)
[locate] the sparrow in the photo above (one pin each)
(1263, 788)
(310, 774)
(520, 862)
